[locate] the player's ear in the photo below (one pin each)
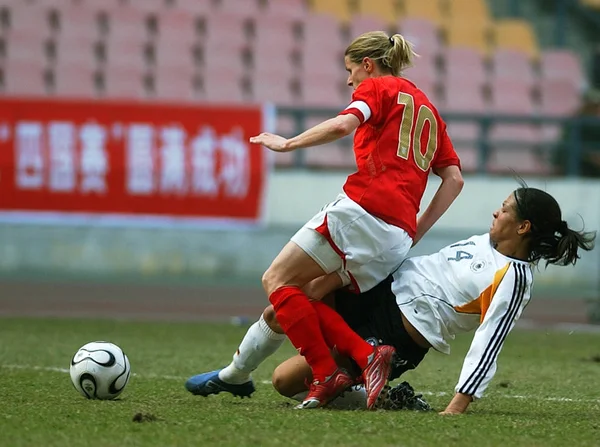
(524, 228)
(367, 64)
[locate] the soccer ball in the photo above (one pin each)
(100, 370)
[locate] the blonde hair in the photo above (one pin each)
(393, 53)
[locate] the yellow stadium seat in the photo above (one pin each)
(423, 9)
(475, 10)
(469, 34)
(516, 35)
(383, 9)
(338, 8)
(592, 3)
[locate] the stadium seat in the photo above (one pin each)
(192, 7)
(78, 21)
(322, 32)
(124, 83)
(424, 74)
(595, 4)
(422, 33)
(125, 53)
(360, 24)
(513, 98)
(336, 8)
(469, 11)
(506, 160)
(463, 96)
(128, 24)
(274, 89)
(513, 65)
(468, 154)
(320, 90)
(24, 78)
(382, 9)
(219, 58)
(517, 35)
(176, 26)
(290, 9)
(420, 9)
(227, 31)
(273, 62)
(274, 32)
(468, 34)
(285, 126)
(242, 8)
(174, 54)
(463, 62)
(24, 46)
(330, 156)
(84, 50)
(174, 84)
(559, 98)
(75, 81)
(224, 87)
(29, 19)
(562, 64)
(145, 6)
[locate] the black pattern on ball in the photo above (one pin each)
(88, 376)
(110, 362)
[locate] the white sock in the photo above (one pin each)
(354, 398)
(259, 343)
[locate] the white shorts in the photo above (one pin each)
(346, 239)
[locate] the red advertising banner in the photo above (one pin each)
(136, 162)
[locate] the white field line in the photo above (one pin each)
(268, 382)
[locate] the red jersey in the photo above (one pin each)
(400, 139)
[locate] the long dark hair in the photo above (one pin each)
(550, 237)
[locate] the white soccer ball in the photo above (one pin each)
(100, 370)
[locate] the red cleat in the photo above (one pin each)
(376, 375)
(321, 393)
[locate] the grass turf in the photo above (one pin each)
(556, 375)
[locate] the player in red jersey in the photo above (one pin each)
(364, 235)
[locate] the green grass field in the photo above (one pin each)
(546, 393)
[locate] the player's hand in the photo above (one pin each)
(274, 142)
(458, 405)
(450, 411)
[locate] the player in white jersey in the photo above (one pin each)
(482, 283)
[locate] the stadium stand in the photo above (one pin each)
(291, 53)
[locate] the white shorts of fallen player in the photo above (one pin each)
(346, 239)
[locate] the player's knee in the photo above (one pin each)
(269, 280)
(282, 383)
(271, 319)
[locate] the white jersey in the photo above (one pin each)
(465, 286)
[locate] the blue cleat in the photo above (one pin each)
(209, 383)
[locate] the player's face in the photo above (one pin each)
(506, 224)
(356, 73)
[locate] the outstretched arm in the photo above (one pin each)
(452, 184)
(325, 132)
(505, 308)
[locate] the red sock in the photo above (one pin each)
(337, 333)
(300, 322)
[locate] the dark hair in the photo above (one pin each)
(550, 237)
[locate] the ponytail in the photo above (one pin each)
(399, 56)
(550, 237)
(392, 54)
(568, 244)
